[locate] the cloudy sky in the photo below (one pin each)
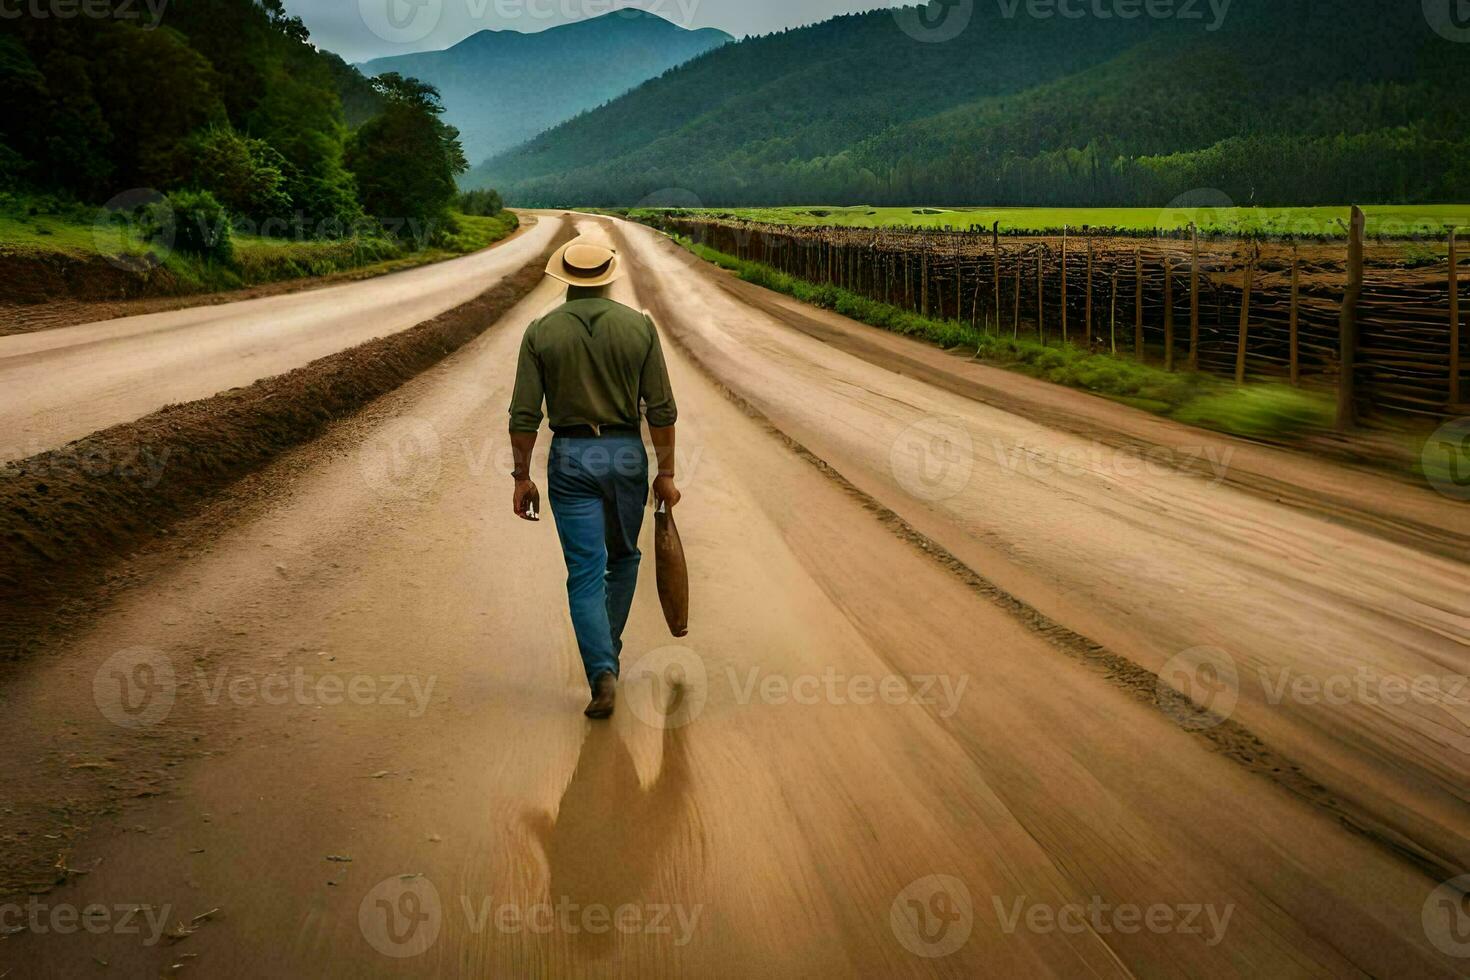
(363, 29)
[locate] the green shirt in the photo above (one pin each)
(592, 361)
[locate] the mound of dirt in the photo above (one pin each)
(66, 513)
(33, 277)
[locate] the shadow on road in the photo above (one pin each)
(615, 843)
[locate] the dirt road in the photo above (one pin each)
(345, 707)
(62, 384)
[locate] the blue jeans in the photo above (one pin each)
(598, 490)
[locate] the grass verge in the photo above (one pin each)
(72, 238)
(1261, 411)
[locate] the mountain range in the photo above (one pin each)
(1282, 102)
(501, 88)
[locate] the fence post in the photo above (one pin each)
(959, 284)
(1347, 324)
(1245, 318)
(995, 256)
(1087, 316)
(1064, 284)
(1016, 324)
(1041, 295)
(1454, 321)
(1194, 297)
(1168, 316)
(1113, 316)
(924, 282)
(1296, 347)
(1138, 302)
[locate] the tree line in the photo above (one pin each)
(227, 106)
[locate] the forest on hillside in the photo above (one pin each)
(227, 107)
(1288, 102)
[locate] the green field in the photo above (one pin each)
(1391, 221)
(256, 259)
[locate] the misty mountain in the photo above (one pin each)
(1281, 101)
(500, 88)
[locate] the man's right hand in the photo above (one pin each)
(527, 501)
(665, 492)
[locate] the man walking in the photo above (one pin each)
(593, 361)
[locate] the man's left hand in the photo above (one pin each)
(664, 492)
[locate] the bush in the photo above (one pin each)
(1260, 410)
(247, 176)
(200, 225)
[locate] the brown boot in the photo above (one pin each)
(604, 696)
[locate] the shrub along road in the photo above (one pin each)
(363, 688)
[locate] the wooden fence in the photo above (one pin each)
(1241, 308)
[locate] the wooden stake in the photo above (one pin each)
(1040, 297)
(1087, 317)
(1454, 321)
(1245, 319)
(1064, 284)
(1194, 298)
(1168, 316)
(959, 286)
(995, 256)
(1113, 316)
(1347, 325)
(1138, 303)
(1296, 347)
(1016, 324)
(924, 281)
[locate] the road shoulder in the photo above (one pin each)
(1357, 497)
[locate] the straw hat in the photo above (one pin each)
(586, 261)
